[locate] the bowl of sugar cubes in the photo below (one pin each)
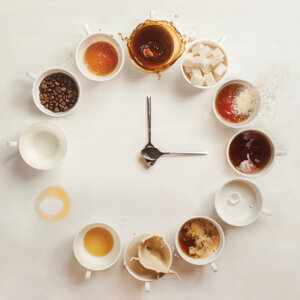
(204, 64)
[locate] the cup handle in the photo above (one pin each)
(12, 143)
(222, 39)
(214, 267)
(152, 14)
(31, 75)
(147, 286)
(87, 29)
(266, 212)
(88, 274)
(281, 152)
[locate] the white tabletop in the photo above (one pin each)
(102, 172)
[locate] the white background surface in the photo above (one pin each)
(102, 173)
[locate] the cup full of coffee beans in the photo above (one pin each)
(55, 92)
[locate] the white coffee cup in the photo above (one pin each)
(91, 39)
(211, 44)
(132, 251)
(274, 153)
(36, 90)
(42, 145)
(91, 262)
(239, 202)
(251, 117)
(202, 261)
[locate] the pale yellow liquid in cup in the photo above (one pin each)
(98, 241)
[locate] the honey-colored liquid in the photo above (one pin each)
(98, 241)
(152, 46)
(58, 193)
(101, 58)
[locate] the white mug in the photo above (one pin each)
(36, 90)
(274, 153)
(202, 261)
(91, 262)
(130, 264)
(214, 45)
(239, 202)
(91, 39)
(42, 145)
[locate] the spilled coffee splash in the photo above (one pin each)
(53, 192)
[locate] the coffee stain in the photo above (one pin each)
(58, 193)
(175, 15)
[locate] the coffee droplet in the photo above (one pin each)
(57, 193)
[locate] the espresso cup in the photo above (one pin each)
(91, 39)
(239, 202)
(131, 264)
(274, 153)
(91, 262)
(42, 145)
(202, 261)
(36, 90)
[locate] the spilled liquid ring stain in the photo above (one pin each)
(58, 193)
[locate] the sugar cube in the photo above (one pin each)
(187, 69)
(196, 48)
(215, 60)
(197, 78)
(201, 61)
(188, 60)
(209, 79)
(217, 53)
(205, 51)
(206, 69)
(220, 69)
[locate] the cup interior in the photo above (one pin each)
(43, 145)
(36, 91)
(201, 261)
(238, 202)
(271, 160)
(134, 267)
(251, 117)
(211, 44)
(92, 262)
(91, 39)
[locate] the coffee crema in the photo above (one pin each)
(199, 238)
(250, 151)
(98, 241)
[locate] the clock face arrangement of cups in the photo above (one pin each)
(153, 47)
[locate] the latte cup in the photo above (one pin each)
(37, 79)
(274, 153)
(202, 261)
(42, 145)
(135, 269)
(96, 263)
(90, 39)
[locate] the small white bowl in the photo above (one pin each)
(202, 261)
(36, 90)
(252, 116)
(209, 43)
(91, 262)
(91, 39)
(246, 208)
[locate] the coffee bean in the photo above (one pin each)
(58, 92)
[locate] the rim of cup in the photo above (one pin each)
(97, 37)
(30, 127)
(253, 186)
(252, 116)
(137, 239)
(201, 261)
(115, 235)
(267, 167)
(36, 85)
(207, 42)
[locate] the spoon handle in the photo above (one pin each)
(149, 118)
(187, 153)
